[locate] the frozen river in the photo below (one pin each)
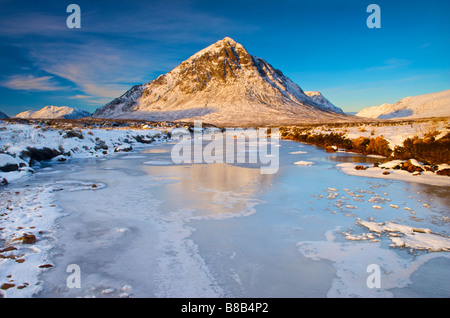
(151, 228)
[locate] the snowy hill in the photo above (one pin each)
(55, 112)
(421, 106)
(322, 101)
(222, 84)
(3, 115)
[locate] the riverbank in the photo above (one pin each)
(420, 147)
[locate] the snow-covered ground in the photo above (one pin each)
(394, 133)
(426, 177)
(16, 139)
(141, 226)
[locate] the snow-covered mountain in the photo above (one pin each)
(222, 84)
(55, 112)
(322, 101)
(421, 106)
(3, 115)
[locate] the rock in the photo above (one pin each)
(34, 154)
(386, 172)
(360, 167)
(3, 181)
(443, 172)
(8, 249)
(8, 163)
(123, 148)
(26, 169)
(331, 149)
(143, 139)
(45, 266)
(28, 239)
(412, 166)
(6, 286)
(60, 158)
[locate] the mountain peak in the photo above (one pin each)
(227, 47)
(229, 41)
(54, 112)
(221, 84)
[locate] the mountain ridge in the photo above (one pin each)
(221, 84)
(419, 106)
(54, 112)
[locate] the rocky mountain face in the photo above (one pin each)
(224, 85)
(55, 112)
(421, 106)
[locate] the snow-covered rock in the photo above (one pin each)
(421, 106)
(55, 112)
(123, 148)
(8, 163)
(224, 85)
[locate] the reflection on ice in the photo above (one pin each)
(211, 190)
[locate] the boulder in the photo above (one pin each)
(443, 172)
(60, 158)
(412, 166)
(8, 163)
(28, 239)
(6, 286)
(123, 148)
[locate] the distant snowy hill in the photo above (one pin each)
(3, 115)
(421, 106)
(322, 101)
(55, 112)
(222, 84)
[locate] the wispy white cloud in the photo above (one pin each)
(32, 23)
(390, 64)
(79, 96)
(31, 83)
(114, 49)
(98, 70)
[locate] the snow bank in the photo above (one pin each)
(26, 145)
(426, 177)
(406, 236)
(394, 133)
(29, 212)
(298, 152)
(303, 163)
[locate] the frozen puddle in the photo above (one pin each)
(140, 226)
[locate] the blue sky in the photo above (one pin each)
(321, 45)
